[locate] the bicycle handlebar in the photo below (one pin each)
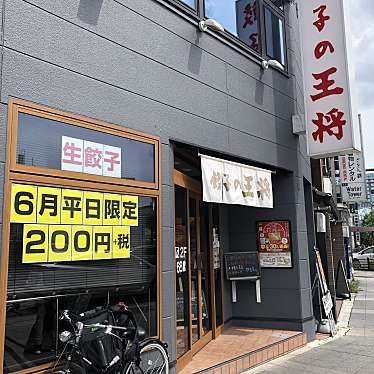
(67, 315)
(111, 327)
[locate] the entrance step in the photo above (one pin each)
(240, 349)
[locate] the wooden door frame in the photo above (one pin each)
(204, 339)
(194, 188)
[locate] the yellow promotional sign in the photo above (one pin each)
(71, 207)
(82, 243)
(121, 242)
(93, 211)
(59, 243)
(72, 225)
(112, 209)
(102, 243)
(23, 204)
(35, 244)
(49, 205)
(130, 210)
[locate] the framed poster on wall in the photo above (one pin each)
(274, 244)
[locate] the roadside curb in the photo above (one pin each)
(345, 314)
(342, 329)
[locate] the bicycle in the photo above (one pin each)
(121, 347)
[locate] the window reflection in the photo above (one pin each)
(30, 334)
(239, 17)
(191, 3)
(274, 36)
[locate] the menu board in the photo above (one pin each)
(274, 244)
(242, 265)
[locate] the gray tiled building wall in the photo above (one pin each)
(140, 65)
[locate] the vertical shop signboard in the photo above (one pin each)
(274, 244)
(331, 117)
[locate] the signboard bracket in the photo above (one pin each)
(258, 291)
(233, 289)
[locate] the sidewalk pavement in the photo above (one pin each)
(352, 351)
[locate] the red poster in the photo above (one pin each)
(274, 243)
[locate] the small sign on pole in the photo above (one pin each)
(352, 178)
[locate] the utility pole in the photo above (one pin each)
(363, 161)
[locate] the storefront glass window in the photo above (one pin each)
(30, 333)
(32, 327)
(51, 144)
(239, 17)
(274, 36)
(76, 266)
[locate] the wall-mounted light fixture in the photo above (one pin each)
(210, 24)
(274, 63)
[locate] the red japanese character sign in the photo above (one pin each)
(330, 113)
(329, 124)
(84, 156)
(72, 154)
(112, 161)
(93, 158)
(247, 22)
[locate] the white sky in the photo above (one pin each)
(362, 28)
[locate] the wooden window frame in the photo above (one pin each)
(21, 106)
(17, 173)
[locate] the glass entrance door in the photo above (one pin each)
(193, 273)
(200, 270)
(182, 270)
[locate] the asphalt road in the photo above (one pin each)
(351, 352)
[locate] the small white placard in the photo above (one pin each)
(276, 260)
(112, 162)
(93, 158)
(71, 154)
(327, 303)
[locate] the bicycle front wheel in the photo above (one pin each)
(153, 360)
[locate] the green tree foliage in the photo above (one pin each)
(367, 238)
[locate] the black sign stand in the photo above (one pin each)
(243, 266)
